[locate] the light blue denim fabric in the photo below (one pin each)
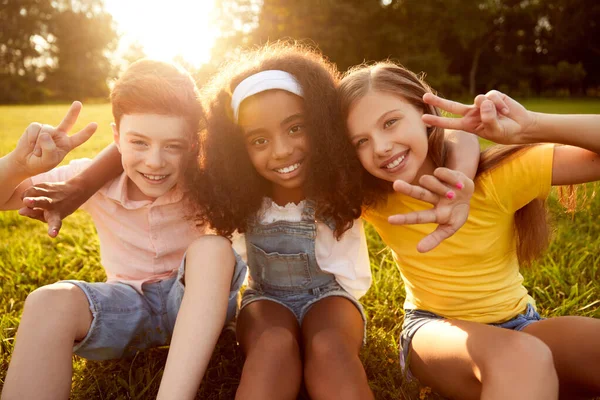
(415, 319)
(283, 267)
(125, 321)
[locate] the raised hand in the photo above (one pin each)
(450, 193)
(43, 147)
(493, 116)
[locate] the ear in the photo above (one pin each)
(116, 136)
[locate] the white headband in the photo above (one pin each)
(260, 82)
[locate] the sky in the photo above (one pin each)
(166, 29)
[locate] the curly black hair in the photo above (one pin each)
(226, 187)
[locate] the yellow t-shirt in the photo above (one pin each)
(474, 274)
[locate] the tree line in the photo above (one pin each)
(61, 49)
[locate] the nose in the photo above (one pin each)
(155, 158)
(382, 147)
(282, 147)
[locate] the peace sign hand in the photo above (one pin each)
(43, 147)
(450, 192)
(493, 116)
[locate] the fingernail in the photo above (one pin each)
(505, 111)
(54, 232)
(460, 185)
(450, 195)
(486, 106)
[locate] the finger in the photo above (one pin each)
(498, 99)
(450, 177)
(39, 202)
(443, 122)
(35, 191)
(33, 132)
(69, 120)
(54, 223)
(417, 217)
(415, 192)
(489, 117)
(435, 186)
(83, 135)
(479, 99)
(31, 213)
(47, 145)
(453, 107)
(431, 241)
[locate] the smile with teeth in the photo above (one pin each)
(288, 169)
(154, 177)
(395, 163)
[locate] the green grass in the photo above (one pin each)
(564, 282)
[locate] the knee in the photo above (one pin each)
(277, 341)
(211, 247)
(525, 353)
(330, 346)
(55, 298)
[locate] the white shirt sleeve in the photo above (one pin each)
(347, 258)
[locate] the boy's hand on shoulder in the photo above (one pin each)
(494, 116)
(43, 147)
(52, 202)
(450, 192)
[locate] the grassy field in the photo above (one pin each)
(564, 282)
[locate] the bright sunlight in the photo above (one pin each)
(166, 29)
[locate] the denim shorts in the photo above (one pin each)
(415, 319)
(300, 302)
(125, 321)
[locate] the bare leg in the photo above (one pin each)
(468, 360)
(575, 345)
(269, 334)
(209, 268)
(54, 318)
(333, 334)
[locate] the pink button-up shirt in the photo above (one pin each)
(140, 241)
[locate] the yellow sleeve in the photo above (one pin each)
(524, 177)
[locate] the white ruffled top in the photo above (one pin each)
(347, 259)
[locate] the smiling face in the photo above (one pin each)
(154, 149)
(389, 136)
(276, 140)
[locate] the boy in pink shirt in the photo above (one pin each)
(155, 293)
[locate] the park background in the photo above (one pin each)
(545, 53)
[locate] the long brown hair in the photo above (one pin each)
(531, 227)
(226, 186)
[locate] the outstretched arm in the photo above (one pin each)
(514, 124)
(40, 148)
(53, 202)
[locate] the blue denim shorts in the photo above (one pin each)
(125, 321)
(415, 319)
(300, 302)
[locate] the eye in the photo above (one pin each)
(138, 142)
(295, 129)
(389, 123)
(259, 141)
(360, 142)
(174, 147)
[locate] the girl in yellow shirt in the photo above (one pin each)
(469, 325)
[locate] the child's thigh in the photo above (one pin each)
(454, 356)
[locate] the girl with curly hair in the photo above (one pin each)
(273, 168)
(471, 330)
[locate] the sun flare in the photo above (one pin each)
(166, 29)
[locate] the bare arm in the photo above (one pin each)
(573, 165)
(575, 130)
(52, 202)
(463, 152)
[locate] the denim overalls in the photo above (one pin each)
(283, 266)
